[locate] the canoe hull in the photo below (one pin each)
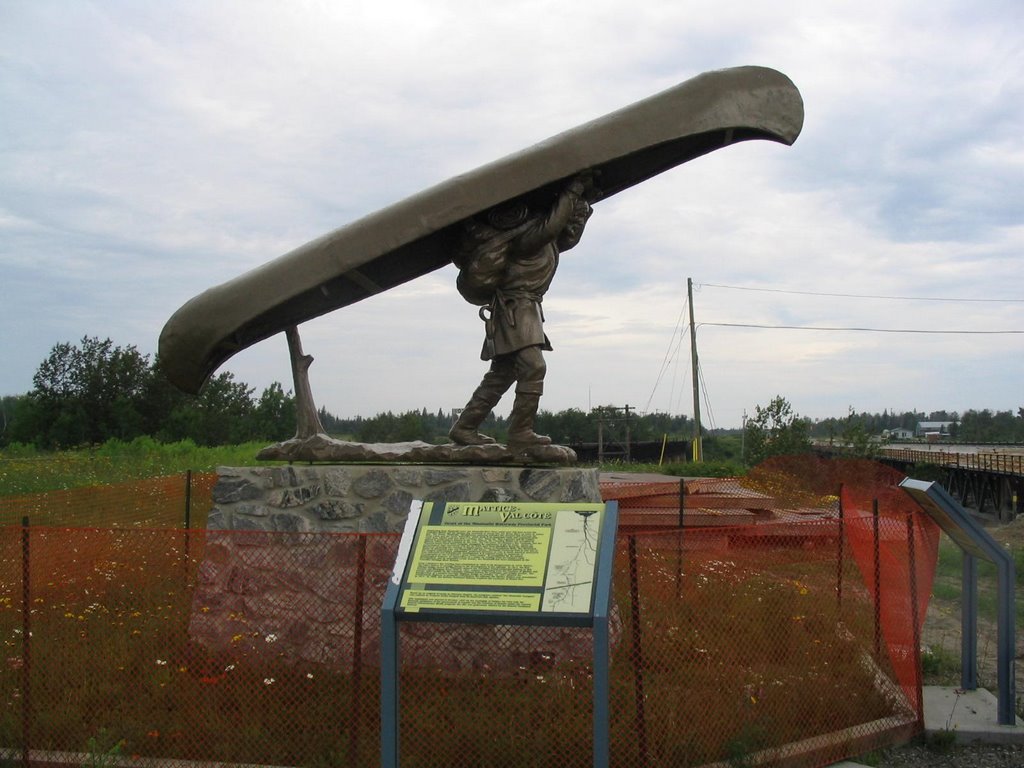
(417, 235)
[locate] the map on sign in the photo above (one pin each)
(485, 557)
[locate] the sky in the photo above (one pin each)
(149, 151)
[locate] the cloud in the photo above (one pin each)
(150, 151)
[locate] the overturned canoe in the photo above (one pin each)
(416, 236)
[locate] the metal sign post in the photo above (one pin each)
(557, 572)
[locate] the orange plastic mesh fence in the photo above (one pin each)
(153, 503)
(729, 644)
(895, 548)
(178, 644)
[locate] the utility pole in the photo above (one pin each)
(627, 434)
(698, 451)
(743, 438)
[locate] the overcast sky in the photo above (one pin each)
(150, 150)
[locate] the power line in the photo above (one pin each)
(858, 295)
(704, 391)
(868, 330)
(667, 360)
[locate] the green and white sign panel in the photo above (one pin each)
(479, 558)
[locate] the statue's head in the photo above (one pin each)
(508, 215)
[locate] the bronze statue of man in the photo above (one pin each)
(507, 259)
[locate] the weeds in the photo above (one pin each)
(749, 659)
(941, 742)
(939, 666)
(101, 753)
(681, 469)
(25, 470)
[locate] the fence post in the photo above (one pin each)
(682, 501)
(638, 653)
(914, 618)
(679, 538)
(357, 650)
(188, 499)
(878, 581)
(26, 642)
(840, 554)
(188, 526)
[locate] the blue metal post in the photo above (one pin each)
(969, 624)
(388, 683)
(602, 692)
(975, 542)
(602, 655)
(1006, 658)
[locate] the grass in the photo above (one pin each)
(24, 470)
(949, 571)
(941, 665)
(114, 664)
(748, 660)
(680, 469)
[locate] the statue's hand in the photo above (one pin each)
(585, 186)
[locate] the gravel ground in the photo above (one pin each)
(973, 756)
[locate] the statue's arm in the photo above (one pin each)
(549, 228)
(573, 231)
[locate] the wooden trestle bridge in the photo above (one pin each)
(990, 482)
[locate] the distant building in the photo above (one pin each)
(899, 433)
(934, 430)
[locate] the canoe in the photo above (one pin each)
(416, 236)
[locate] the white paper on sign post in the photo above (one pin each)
(405, 544)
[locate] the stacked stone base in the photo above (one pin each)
(269, 584)
(375, 498)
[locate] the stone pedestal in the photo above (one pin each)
(375, 498)
(273, 581)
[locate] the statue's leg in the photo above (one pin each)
(495, 383)
(530, 370)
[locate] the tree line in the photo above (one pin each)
(971, 426)
(94, 391)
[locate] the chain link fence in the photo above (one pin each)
(173, 501)
(785, 643)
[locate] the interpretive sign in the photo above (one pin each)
(502, 563)
(467, 558)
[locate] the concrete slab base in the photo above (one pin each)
(971, 715)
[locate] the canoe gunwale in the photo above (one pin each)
(416, 236)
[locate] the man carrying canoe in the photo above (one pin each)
(507, 259)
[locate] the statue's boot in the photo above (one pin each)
(464, 431)
(521, 420)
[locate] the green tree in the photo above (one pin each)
(14, 414)
(88, 393)
(274, 414)
(977, 426)
(390, 428)
(567, 427)
(775, 430)
(858, 437)
(222, 414)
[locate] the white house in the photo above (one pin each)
(939, 428)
